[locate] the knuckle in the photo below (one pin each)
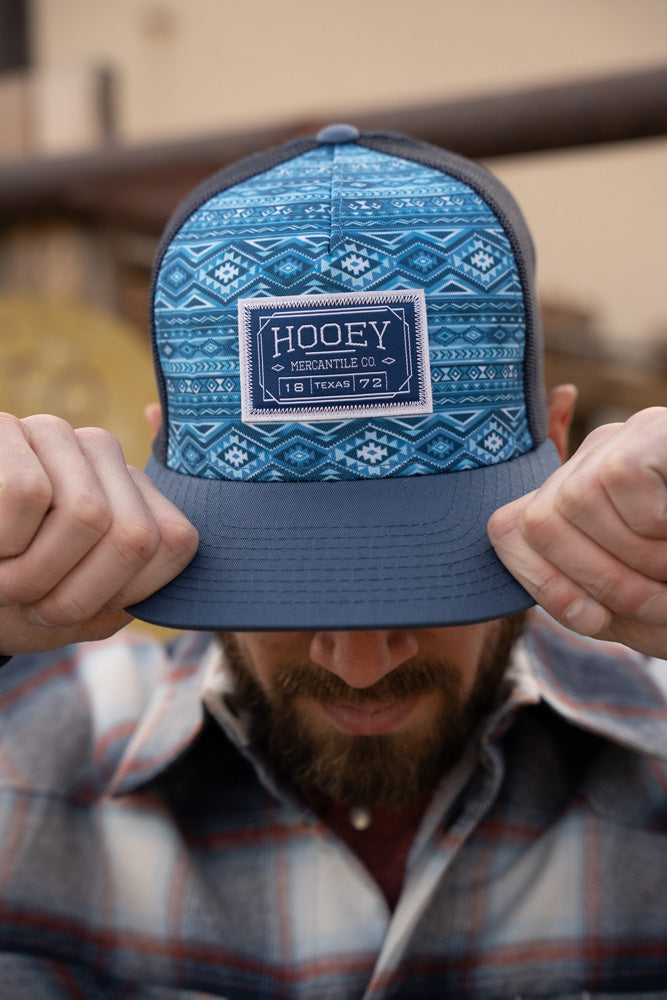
(648, 416)
(571, 499)
(610, 593)
(500, 524)
(9, 419)
(98, 439)
(48, 426)
(178, 544)
(647, 559)
(603, 432)
(12, 428)
(17, 588)
(62, 609)
(12, 594)
(623, 597)
(536, 523)
(552, 590)
(90, 512)
(27, 490)
(638, 490)
(137, 540)
(547, 584)
(181, 540)
(618, 468)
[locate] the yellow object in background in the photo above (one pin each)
(90, 368)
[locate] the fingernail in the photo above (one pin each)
(33, 618)
(586, 616)
(654, 611)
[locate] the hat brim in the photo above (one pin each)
(354, 554)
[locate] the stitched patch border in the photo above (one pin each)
(331, 357)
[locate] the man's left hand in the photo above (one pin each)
(591, 544)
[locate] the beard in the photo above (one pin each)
(378, 770)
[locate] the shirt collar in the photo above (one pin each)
(173, 716)
(195, 687)
(601, 687)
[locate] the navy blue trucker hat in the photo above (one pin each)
(348, 353)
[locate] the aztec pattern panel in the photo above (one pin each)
(313, 227)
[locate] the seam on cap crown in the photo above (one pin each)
(337, 182)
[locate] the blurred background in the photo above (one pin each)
(110, 112)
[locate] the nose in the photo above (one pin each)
(362, 658)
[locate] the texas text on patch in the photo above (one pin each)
(329, 357)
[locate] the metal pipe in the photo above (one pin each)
(142, 184)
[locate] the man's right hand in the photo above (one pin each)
(82, 535)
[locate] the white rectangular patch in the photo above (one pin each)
(331, 357)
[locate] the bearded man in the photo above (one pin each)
(370, 768)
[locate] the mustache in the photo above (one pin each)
(411, 678)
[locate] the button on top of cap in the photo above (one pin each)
(338, 133)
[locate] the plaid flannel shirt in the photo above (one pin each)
(145, 853)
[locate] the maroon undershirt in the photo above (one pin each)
(384, 846)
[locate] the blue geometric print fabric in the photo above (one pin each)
(343, 219)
